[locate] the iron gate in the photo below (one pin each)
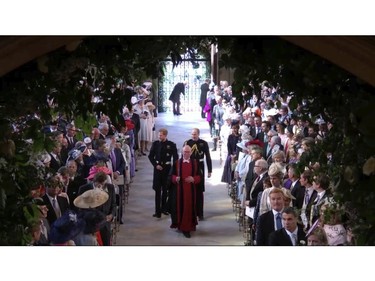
(193, 72)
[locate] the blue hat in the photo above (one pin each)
(65, 228)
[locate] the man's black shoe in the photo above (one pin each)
(157, 216)
(201, 218)
(186, 234)
(165, 213)
(178, 114)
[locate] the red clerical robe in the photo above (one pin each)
(185, 194)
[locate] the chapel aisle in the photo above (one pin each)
(219, 227)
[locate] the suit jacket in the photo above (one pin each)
(203, 97)
(120, 162)
(108, 207)
(250, 177)
(257, 189)
(281, 238)
(55, 165)
(44, 239)
(175, 95)
(265, 150)
(294, 189)
(71, 145)
(260, 136)
(299, 193)
(73, 189)
(265, 226)
(63, 204)
(315, 207)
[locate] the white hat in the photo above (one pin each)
(87, 140)
(242, 145)
(91, 199)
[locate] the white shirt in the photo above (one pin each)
(293, 236)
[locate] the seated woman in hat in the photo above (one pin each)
(65, 229)
(94, 219)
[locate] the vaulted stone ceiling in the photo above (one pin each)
(356, 54)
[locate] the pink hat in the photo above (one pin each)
(94, 170)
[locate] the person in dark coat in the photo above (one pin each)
(57, 205)
(200, 152)
(163, 154)
(178, 89)
(291, 234)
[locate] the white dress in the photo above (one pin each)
(146, 122)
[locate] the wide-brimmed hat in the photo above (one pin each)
(91, 199)
(65, 228)
(255, 142)
(74, 154)
(275, 169)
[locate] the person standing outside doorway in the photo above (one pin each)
(205, 88)
(162, 153)
(200, 150)
(178, 89)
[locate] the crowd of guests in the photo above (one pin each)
(87, 177)
(262, 144)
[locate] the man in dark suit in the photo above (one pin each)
(163, 154)
(305, 196)
(200, 150)
(118, 168)
(291, 234)
(260, 169)
(56, 161)
(178, 89)
(57, 205)
(75, 182)
(256, 154)
(70, 136)
(108, 208)
(205, 88)
(321, 185)
(262, 136)
(271, 220)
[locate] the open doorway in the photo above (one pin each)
(195, 72)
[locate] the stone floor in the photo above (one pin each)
(219, 227)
